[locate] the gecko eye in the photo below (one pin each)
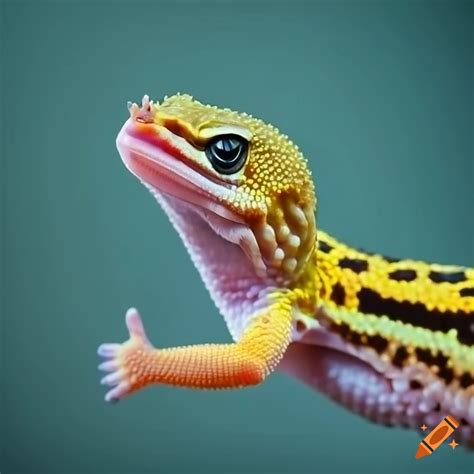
(227, 153)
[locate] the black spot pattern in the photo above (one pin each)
(467, 292)
(400, 356)
(418, 315)
(355, 264)
(338, 294)
(447, 374)
(324, 246)
(426, 356)
(403, 275)
(376, 341)
(466, 380)
(449, 277)
(415, 384)
(441, 361)
(380, 344)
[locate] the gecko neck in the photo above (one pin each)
(226, 271)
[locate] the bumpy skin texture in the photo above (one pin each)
(390, 339)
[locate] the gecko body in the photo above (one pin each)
(392, 340)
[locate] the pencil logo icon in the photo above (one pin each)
(436, 437)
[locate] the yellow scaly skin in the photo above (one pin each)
(285, 289)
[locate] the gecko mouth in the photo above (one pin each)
(162, 172)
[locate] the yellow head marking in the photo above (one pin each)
(274, 191)
(274, 165)
(271, 189)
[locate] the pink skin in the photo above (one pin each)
(217, 239)
(356, 378)
(170, 175)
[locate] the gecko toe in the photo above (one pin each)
(114, 395)
(109, 365)
(108, 350)
(135, 326)
(112, 379)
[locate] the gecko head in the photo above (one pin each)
(249, 181)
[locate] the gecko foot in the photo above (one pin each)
(115, 356)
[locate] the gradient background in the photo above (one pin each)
(379, 96)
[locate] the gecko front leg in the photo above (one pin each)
(135, 363)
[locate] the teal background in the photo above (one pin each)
(378, 95)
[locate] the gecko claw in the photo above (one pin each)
(114, 395)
